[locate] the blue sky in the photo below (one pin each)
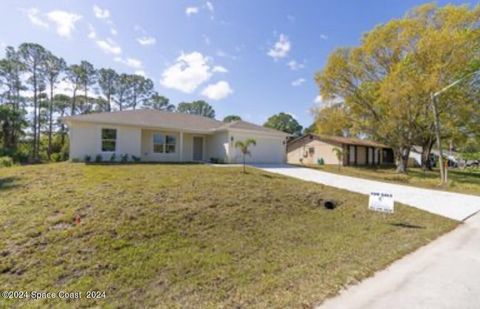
(250, 58)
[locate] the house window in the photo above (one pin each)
(171, 141)
(164, 143)
(109, 140)
(158, 143)
(311, 151)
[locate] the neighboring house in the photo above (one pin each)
(170, 137)
(312, 149)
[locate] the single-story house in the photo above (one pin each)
(153, 135)
(313, 149)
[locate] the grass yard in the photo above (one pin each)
(191, 236)
(462, 181)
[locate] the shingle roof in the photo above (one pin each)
(342, 140)
(244, 125)
(169, 120)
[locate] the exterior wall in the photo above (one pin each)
(187, 152)
(269, 149)
(85, 139)
(147, 147)
(217, 146)
(361, 155)
(321, 150)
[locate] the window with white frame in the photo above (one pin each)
(158, 143)
(164, 143)
(109, 140)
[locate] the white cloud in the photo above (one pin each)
(146, 40)
(101, 13)
(64, 21)
(281, 48)
(219, 69)
(294, 65)
(206, 39)
(218, 91)
(130, 62)
(109, 46)
(33, 16)
(191, 10)
(141, 72)
(323, 36)
(187, 73)
(298, 82)
(92, 34)
(113, 31)
(318, 99)
(209, 6)
(223, 54)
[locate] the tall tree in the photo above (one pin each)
(231, 118)
(199, 107)
(107, 78)
(284, 122)
(141, 89)
(387, 82)
(53, 67)
(75, 77)
(123, 91)
(89, 78)
(11, 69)
(62, 103)
(158, 102)
(33, 56)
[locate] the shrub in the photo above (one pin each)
(320, 161)
(75, 160)
(56, 157)
(124, 158)
(113, 157)
(136, 159)
(98, 158)
(6, 161)
(88, 158)
(214, 160)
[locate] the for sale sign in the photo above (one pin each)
(381, 201)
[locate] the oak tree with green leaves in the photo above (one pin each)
(387, 81)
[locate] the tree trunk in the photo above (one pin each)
(74, 97)
(401, 156)
(426, 153)
(35, 153)
(244, 170)
(50, 120)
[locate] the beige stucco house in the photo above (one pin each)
(311, 148)
(170, 137)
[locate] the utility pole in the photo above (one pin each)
(436, 120)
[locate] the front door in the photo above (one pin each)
(197, 148)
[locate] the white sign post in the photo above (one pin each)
(381, 201)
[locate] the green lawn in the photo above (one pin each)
(462, 181)
(191, 236)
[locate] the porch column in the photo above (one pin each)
(181, 147)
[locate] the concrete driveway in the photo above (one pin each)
(442, 274)
(451, 205)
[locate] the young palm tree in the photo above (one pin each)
(243, 146)
(339, 153)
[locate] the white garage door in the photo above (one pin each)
(267, 150)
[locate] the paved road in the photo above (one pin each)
(451, 205)
(443, 274)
